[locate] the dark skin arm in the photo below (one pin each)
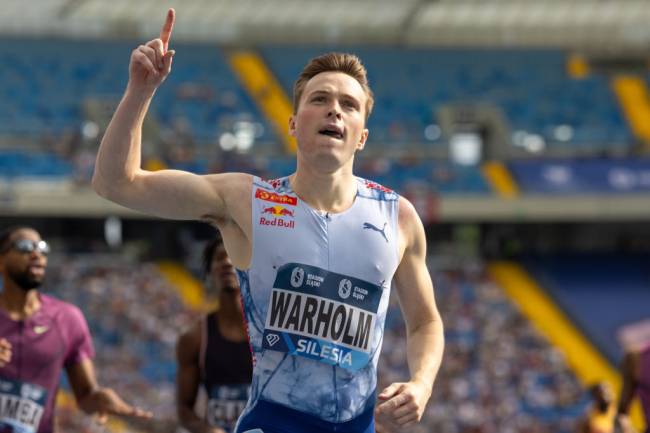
(93, 399)
(628, 371)
(630, 383)
(188, 378)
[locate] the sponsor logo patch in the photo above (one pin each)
(277, 216)
(277, 222)
(381, 231)
(272, 339)
(278, 211)
(39, 329)
(378, 187)
(275, 198)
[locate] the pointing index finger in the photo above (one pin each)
(166, 31)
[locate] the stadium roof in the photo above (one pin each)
(601, 24)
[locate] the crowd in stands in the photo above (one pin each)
(59, 99)
(135, 316)
(498, 374)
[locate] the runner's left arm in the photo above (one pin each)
(403, 404)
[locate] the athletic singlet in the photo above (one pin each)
(644, 384)
(56, 336)
(227, 377)
(315, 300)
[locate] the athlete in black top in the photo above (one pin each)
(215, 353)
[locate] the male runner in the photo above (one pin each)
(40, 336)
(215, 353)
(316, 253)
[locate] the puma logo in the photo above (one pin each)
(375, 228)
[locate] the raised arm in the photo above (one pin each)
(403, 403)
(167, 193)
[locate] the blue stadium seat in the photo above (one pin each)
(531, 87)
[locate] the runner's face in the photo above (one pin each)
(26, 269)
(329, 124)
(222, 271)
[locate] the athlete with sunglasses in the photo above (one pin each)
(39, 336)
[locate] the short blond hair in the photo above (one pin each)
(334, 62)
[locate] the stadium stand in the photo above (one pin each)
(45, 84)
(532, 88)
(498, 374)
(600, 292)
(135, 317)
(524, 385)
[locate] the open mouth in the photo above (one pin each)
(332, 131)
(36, 269)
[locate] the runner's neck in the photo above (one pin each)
(19, 304)
(333, 193)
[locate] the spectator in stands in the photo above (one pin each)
(215, 353)
(42, 335)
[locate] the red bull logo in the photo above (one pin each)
(275, 198)
(278, 211)
(277, 214)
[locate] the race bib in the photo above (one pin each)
(21, 406)
(225, 404)
(322, 315)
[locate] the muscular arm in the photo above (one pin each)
(404, 403)
(84, 383)
(188, 380)
(424, 338)
(175, 194)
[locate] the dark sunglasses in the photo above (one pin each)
(25, 246)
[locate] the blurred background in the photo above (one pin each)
(520, 130)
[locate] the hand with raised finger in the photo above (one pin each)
(5, 352)
(151, 63)
(402, 405)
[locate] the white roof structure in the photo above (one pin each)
(597, 24)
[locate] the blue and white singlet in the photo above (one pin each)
(315, 300)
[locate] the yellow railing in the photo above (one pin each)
(266, 91)
(500, 179)
(634, 98)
